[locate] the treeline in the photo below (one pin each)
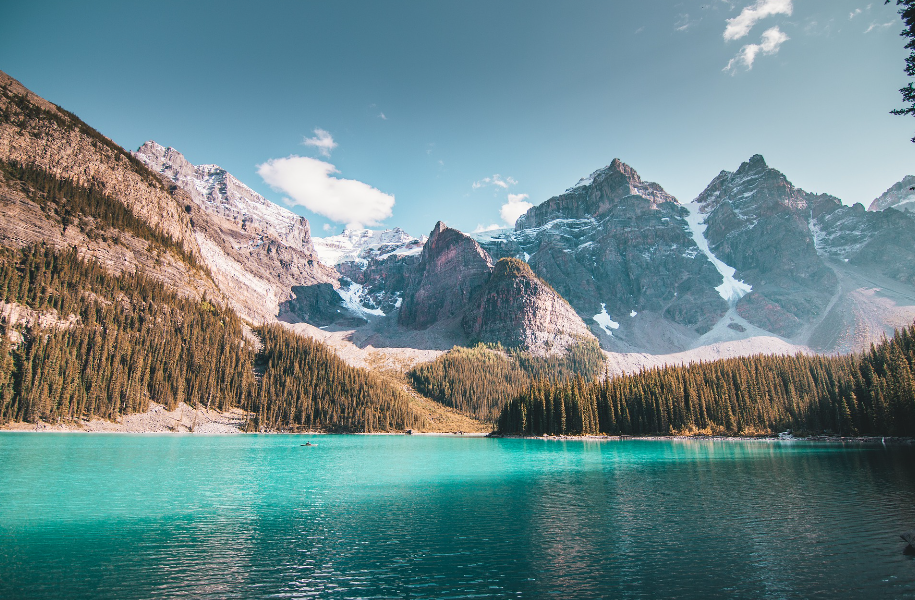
(867, 394)
(476, 381)
(87, 207)
(134, 341)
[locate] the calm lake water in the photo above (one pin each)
(118, 516)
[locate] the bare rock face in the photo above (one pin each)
(39, 133)
(760, 224)
(517, 309)
(259, 253)
(595, 196)
(452, 268)
(220, 193)
(900, 196)
(880, 241)
(617, 243)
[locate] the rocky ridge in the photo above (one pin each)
(452, 268)
(618, 248)
(515, 308)
(36, 132)
(258, 252)
(900, 196)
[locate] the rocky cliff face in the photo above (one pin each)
(616, 245)
(517, 309)
(595, 196)
(221, 194)
(759, 223)
(900, 196)
(35, 132)
(452, 268)
(259, 253)
(881, 242)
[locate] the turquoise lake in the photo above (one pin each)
(144, 516)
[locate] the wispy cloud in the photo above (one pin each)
(323, 141)
(480, 228)
(874, 26)
(309, 182)
(495, 180)
(772, 39)
(741, 25)
(514, 208)
(684, 23)
(382, 116)
(854, 13)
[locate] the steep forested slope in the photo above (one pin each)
(102, 345)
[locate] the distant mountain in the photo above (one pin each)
(900, 196)
(622, 252)
(825, 275)
(221, 194)
(362, 245)
(256, 250)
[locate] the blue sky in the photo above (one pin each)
(414, 108)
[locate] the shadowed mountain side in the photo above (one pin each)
(452, 269)
(517, 309)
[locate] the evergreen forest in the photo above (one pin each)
(477, 381)
(867, 394)
(120, 342)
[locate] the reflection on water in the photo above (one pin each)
(106, 516)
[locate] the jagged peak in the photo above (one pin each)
(439, 228)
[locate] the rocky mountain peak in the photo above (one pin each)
(517, 309)
(452, 268)
(596, 195)
(900, 196)
(218, 192)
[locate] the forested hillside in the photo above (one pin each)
(477, 381)
(867, 394)
(131, 341)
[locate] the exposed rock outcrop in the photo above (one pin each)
(258, 253)
(517, 309)
(900, 196)
(759, 223)
(37, 132)
(615, 243)
(452, 268)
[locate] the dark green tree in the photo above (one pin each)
(907, 12)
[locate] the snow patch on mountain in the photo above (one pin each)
(219, 192)
(731, 289)
(604, 321)
(352, 299)
(355, 245)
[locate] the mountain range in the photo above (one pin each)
(752, 264)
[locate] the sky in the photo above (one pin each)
(401, 114)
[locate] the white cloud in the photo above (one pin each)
(495, 180)
(854, 13)
(382, 117)
(741, 25)
(480, 228)
(514, 208)
(323, 141)
(308, 182)
(874, 26)
(684, 23)
(772, 39)
(328, 227)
